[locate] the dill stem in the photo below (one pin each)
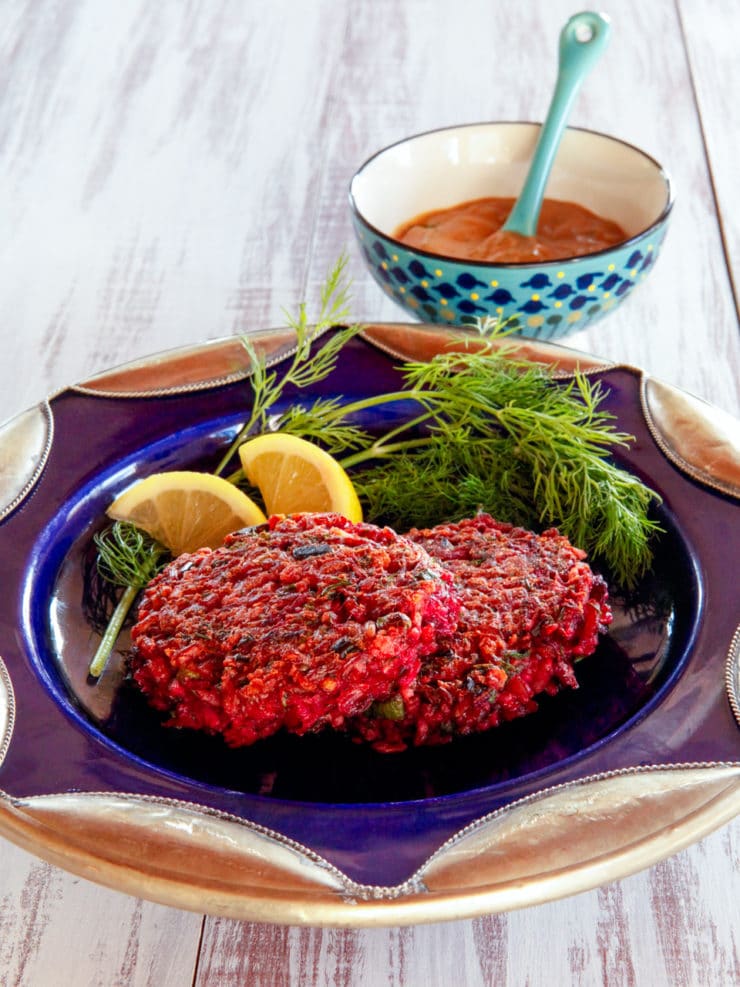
(354, 406)
(501, 415)
(343, 412)
(404, 427)
(379, 449)
(227, 456)
(595, 441)
(236, 477)
(109, 638)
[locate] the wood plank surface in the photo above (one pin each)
(176, 171)
(654, 928)
(715, 71)
(56, 929)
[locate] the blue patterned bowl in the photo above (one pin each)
(545, 299)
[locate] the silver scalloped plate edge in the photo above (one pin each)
(341, 881)
(30, 478)
(547, 347)
(193, 386)
(7, 710)
(668, 448)
(581, 783)
(162, 392)
(732, 675)
(232, 378)
(351, 892)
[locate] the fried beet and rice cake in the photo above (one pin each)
(298, 623)
(530, 607)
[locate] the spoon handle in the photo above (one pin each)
(582, 41)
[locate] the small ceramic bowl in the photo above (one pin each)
(545, 299)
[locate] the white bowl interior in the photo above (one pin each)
(446, 167)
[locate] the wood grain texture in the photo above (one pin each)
(177, 171)
(158, 174)
(653, 928)
(58, 929)
(715, 71)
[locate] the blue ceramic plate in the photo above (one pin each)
(345, 835)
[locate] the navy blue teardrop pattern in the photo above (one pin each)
(533, 302)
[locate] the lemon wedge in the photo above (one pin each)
(186, 510)
(296, 476)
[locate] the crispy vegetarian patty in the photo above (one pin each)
(530, 607)
(298, 623)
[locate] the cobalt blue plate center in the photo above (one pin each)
(639, 657)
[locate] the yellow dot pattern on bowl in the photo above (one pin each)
(531, 300)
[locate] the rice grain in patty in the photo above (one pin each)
(298, 623)
(530, 607)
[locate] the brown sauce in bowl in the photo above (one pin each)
(472, 231)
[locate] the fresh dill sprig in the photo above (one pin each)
(305, 369)
(127, 555)
(127, 558)
(455, 480)
(325, 423)
(498, 434)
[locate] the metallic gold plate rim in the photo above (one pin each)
(563, 359)
(337, 901)
(282, 352)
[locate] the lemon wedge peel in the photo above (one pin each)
(186, 510)
(295, 476)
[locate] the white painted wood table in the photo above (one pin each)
(175, 171)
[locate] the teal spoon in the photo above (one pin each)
(582, 41)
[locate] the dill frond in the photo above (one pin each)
(502, 436)
(325, 423)
(306, 368)
(127, 558)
